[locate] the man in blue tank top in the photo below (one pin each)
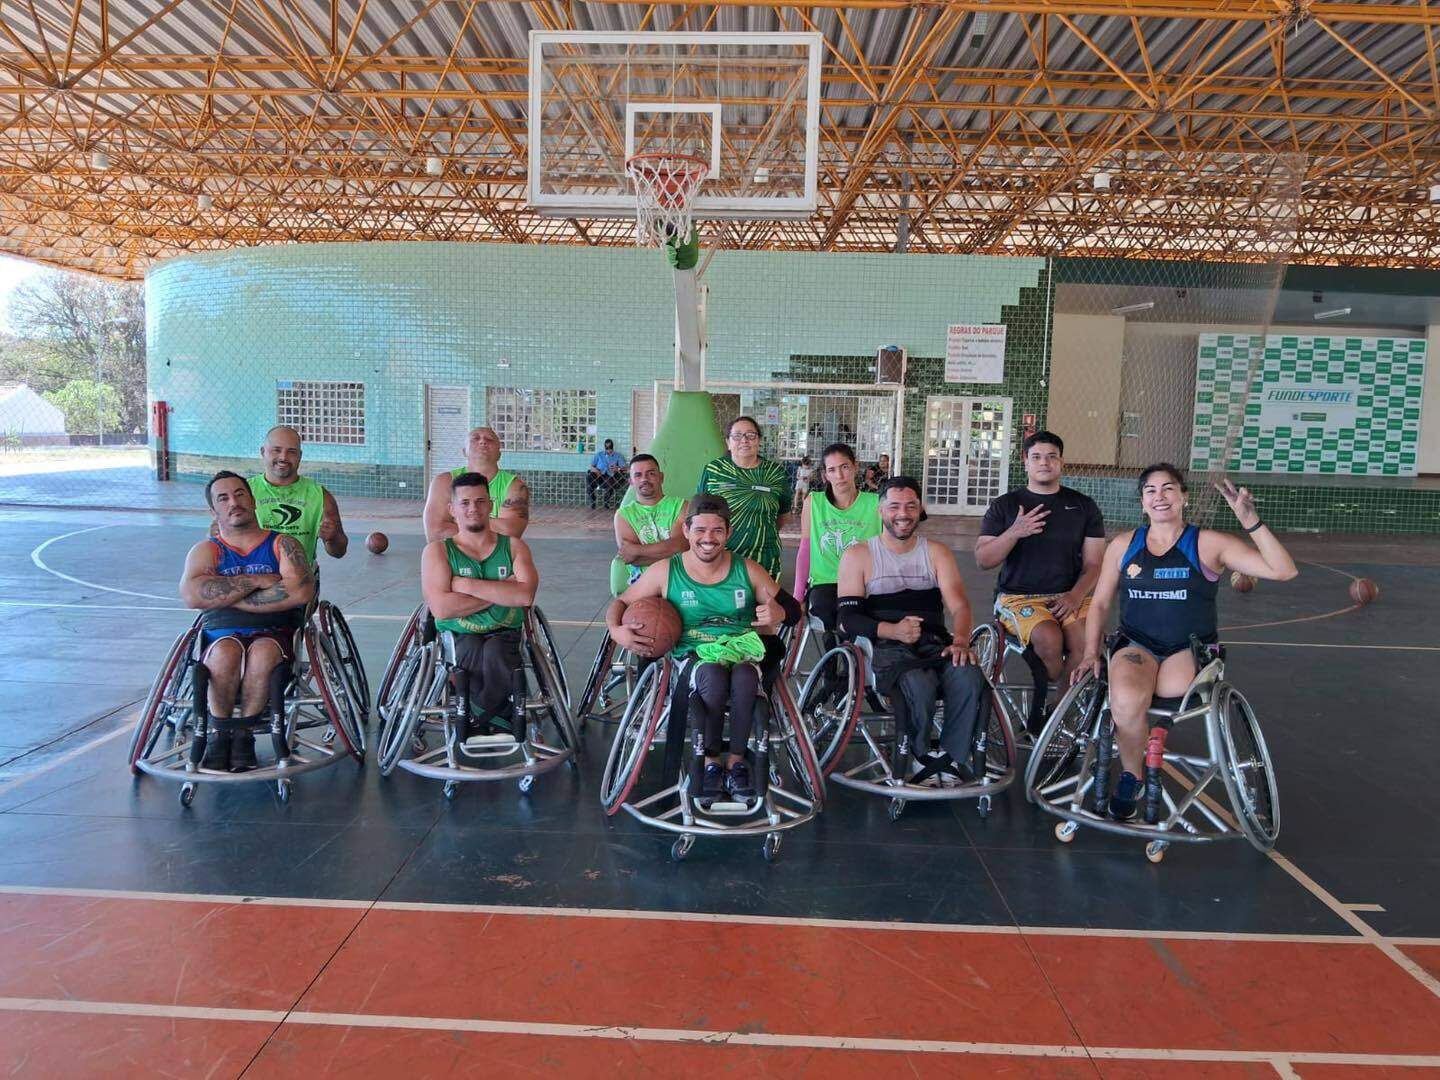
(1166, 575)
(896, 589)
(251, 586)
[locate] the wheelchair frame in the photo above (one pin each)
(1077, 746)
(419, 699)
(775, 809)
(833, 728)
(315, 696)
(613, 669)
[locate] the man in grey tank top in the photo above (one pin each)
(896, 590)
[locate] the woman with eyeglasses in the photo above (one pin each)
(757, 491)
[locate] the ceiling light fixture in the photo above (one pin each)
(434, 166)
(99, 160)
(1332, 314)
(1102, 181)
(1132, 309)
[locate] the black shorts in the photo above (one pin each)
(1160, 650)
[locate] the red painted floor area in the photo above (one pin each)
(108, 986)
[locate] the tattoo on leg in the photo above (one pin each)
(1132, 658)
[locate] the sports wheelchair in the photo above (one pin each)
(419, 701)
(308, 696)
(1003, 659)
(840, 697)
(612, 673)
(1069, 773)
(789, 788)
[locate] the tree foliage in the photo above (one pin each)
(63, 324)
(84, 401)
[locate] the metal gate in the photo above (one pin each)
(447, 425)
(967, 453)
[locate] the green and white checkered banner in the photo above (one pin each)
(1343, 405)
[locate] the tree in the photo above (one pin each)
(84, 403)
(67, 323)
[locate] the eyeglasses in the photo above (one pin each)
(745, 436)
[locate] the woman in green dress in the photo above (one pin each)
(757, 491)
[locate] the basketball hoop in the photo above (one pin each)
(665, 189)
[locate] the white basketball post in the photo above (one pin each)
(689, 331)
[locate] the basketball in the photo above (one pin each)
(656, 618)
(1241, 582)
(376, 543)
(1363, 590)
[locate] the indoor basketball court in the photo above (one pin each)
(924, 232)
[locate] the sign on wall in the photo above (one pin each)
(1342, 405)
(975, 354)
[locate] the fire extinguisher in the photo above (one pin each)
(160, 425)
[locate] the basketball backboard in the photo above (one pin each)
(748, 104)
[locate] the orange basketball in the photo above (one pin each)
(655, 618)
(377, 542)
(1241, 582)
(1363, 590)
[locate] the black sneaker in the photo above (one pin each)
(712, 782)
(242, 752)
(217, 752)
(1126, 798)
(738, 782)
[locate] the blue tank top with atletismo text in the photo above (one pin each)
(1166, 598)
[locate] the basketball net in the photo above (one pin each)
(665, 189)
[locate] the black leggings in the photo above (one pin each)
(490, 661)
(712, 688)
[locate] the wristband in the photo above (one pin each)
(1252, 528)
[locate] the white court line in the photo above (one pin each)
(35, 558)
(1365, 907)
(9, 784)
(1325, 645)
(123, 608)
(1279, 1059)
(703, 917)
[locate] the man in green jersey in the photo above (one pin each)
(293, 504)
(649, 528)
(757, 490)
(509, 495)
(720, 596)
(477, 584)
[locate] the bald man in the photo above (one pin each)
(293, 504)
(509, 495)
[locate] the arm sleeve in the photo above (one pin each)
(855, 620)
(996, 519)
(1094, 520)
(791, 606)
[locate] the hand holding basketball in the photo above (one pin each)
(650, 627)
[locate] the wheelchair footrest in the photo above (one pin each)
(730, 807)
(488, 742)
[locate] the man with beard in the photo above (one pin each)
(293, 504)
(1049, 542)
(725, 601)
(896, 589)
(649, 528)
(477, 584)
(509, 495)
(251, 586)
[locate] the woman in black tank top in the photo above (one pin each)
(1166, 576)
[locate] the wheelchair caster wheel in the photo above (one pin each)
(328, 737)
(187, 794)
(681, 848)
(982, 806)
(771, 847)
(417, 745)
(282, 789)
(451, 787)
(1065, 831)
(526, 783)
(897, 807)
(1155, 850)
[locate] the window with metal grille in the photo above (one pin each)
(322, 412)
(562, 420)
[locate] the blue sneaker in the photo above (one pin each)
(1126, 799)
(712, 782)
(738, 782)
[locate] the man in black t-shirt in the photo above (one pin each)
(1049, 542)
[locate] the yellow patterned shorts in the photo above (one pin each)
(1021, 614)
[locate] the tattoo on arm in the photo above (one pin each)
(272, 595)
(518, 505)
(291, 549)
(218, 588)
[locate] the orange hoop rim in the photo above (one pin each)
(688, 159)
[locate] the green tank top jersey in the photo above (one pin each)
(832, 530)
(497, 566)
(295, 509)
(651, 523)
(499, 485)
(710, 612)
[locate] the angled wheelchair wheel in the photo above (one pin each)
(353, 679)
(608, 686)
(634, 734)
(405, 644)
(329, 679)
(790, 732)
(1246, 767)
(1062, 738)
(830, 703)
(551, 685)
(989, 651)
(547, 641)
(416, 682)
(169, 694)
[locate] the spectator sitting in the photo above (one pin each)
(606, 473)
(804, 476)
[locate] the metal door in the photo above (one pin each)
(967, 453)
(447, 426)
